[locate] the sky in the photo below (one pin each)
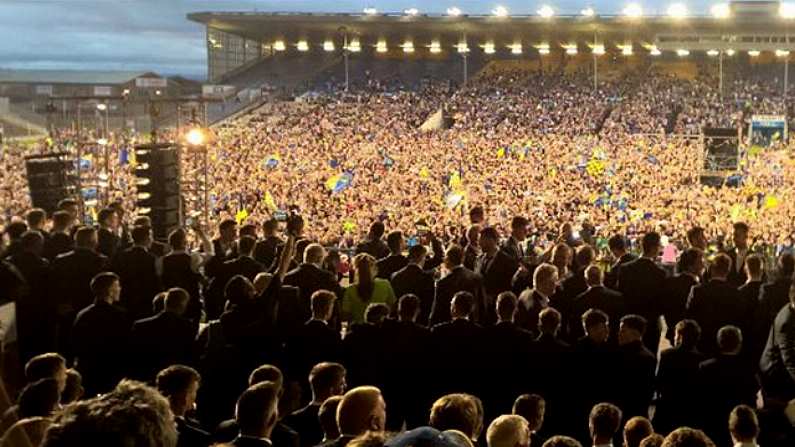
(155, 35)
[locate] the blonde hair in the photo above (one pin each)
(364, 265)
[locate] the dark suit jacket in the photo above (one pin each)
(108, 242)
(737, 278)
(604, 299)
(265, 250)
(58, 243)
(611, 277)
(413, 279)
(35, 311)
(470, 256)
(677, 291)
(642, 283)
(508, 355)
(100, 339)
(314, 342)
(214, 299)
(778, 361)
(364, 355)
(305, 422)
(714, 305)
(677, 389)
(634, 379)
(376, 248)
(460, 279)
(724, 382)
(190, 434)
(772, 298)
(529, 304)
(389, 265)
(309, 279)
(72, 273)
(511, 248)
(160, 341)
(139, 281)
(497, 273)
(457, 350)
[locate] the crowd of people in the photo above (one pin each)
(519, 271)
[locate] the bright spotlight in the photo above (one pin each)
(328, 46)
(354, 46)
(102, 107)
(279, 45)
(787, 10)
(102, 141)
(588, 12)
(543, 49)
(713, 53)
(682, 52)
(302, 46)
(462, 47)
(380, 47)
(500, 11)
(453, 12)
(489, 48)
(633, 10)
(626, 50)
(408, 47)
(516, 48)
(370, 11)
(411, 11)
(721, 11)
(598, 49)
(435, 47)
(546, 11)
(730, 52)
(195, 137)
(677, 10)
(782, 53)
(654, 51)
(754, 53)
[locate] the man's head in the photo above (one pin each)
(327, 415)
(327, 379)
(477, 215)
(687, 333)
(631, 329)
(239, 291)
(561, 441)
(506, 306)
(227, 230)
(106, 287)
(549, 321)
(453, 257)
(545, 279)
(408, 307)
(786, 265)
(617, 245)
(362, 409)
(395, 242)
(692, 261)
(532, 407)
(108, 219)
(176, 301)
(653, 440)
(743, 425)
(377, 230)
(594, 276)
(179, 384)
(39, 399)
(47, 366)
(248, 230)
(596, 325)
(604, 422)
(754, 267)
(561, 256)
(266, 373)
(257, 410)
(270, 227)
(314, 254)
(519, 228)
(36, 218)
(462, 305)
(720, 266)
(740, 235)
(636, 430)
(697, 238)
(69, 206)
(142, 236)
(584, 256)
(417, 254)
(651, 244)
(322, 303)
(86, 237)
(132, 414)
(508, 430)
(246, 245)
(62, 221)
(730, 340)
(33, 242)
(178, 239)
(489, 240)
(462, 412)
(687, 437)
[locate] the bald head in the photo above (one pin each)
(508, 431)
(360, 410)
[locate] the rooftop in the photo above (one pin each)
(71, 76)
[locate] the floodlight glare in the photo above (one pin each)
(754, 53)
(436, 47)
(571, 51)
(713, 53)
(381, 47)
(729, 52)
(682, 52)
(370, 11)
(354, 46)
(462, 47)
(279, 45)
(633, 10)
(102, 107)
(195, 137)
(546, 11)
(453, 11)
(599, 49)
(721, 11)
(782, 53)
(500, 11)
(516, 48)
(588, 12)
(489, 48)
(302, 45)
(787, 10)
(654, 51)
(626, 50)
(677, 10)
(408, 47)
(543, 49)
(328, 46)
(411, 11)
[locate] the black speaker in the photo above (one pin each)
(158, 186)
(51, 178)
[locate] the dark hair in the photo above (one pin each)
(84, 236)
(376, 313)
(489, 233)
(604, 420)
(246, 244)
(270, 226)
(593, 317)
(325, 376)
(549, 320)
(689, 257)
(653, 440)
(617, 242)
(237, 289)
(177, 238)
(730, 339)
(176, 379)
(105, 214)
(755, 264)
(176, 298)
(249, 230)
(687, 437)
(786, 265)
(61, 219)
(408, 306)
(416, 252)
(227, 224)
(141, 234)
(256, 406)
(476, 212)
(561, 441)
(74, 387)
(519, 222)
(16, 229)
(690, 332)
(721, 265)
(463, 303)
(531, 407)
(394, 240)
(693, 233)
(506, 305)
(36, 217)
(650, 241)
(266, 373)
(377, 229)
(741, 226)
(635, 322)
(743, 423)
(66, 203)
(636, 430)
(584, 256)
(322, 301)
(457, 412)
(39, 398)
(455, 255)
(44, 366)
(100, 285)
(327, 415)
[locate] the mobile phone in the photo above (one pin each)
(280, 216)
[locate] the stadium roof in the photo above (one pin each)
(71, 76)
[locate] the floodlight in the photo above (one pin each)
(354, 46)
(782, 53)
(713, 53)
(754, 53)
(721, 11)
(279, 45)
(730, 52)
(370, 11)
(381, 47)
(411, 11)
(453, 11)
(626, 50)
(435, 47)
(682, 52)
(598, 49)
(633, 10)
(302, 45)
(488, 48)
(102, 107)
(516, 48)
(677, 10)
(408, 47)
(787, 10)
(546, 11)
(571, 49)
(328, 46)
(654, 51)
(195, 137)
(462, 47)
(543, 49)
(500, 11)
(588, 12)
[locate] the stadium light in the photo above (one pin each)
(453, 11)
(787, 10)
(500, 11)
(721, 11)
(411, 11)
(102, 107)
(488, 48)
(302, 46)
(730, 52)
(381, 47)
(626, 50)
(588, 12)
(462, 48)
(516, 48)
(102, 141)
(543, 49)
(435, 47)
(195, 137)
(782, 53)
(713, 53)
(633, 10)
(653, 50)
(408, 47)
(370, 11)
(754, 53)
(354, 46)
(598, 49)
(682, 52)
(677, 10)
(546, 11)
(279, 45)
(571, 49)
(328, 46)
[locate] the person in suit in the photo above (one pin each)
(744, 426)
(361, 409)
(636, 430)
(100, 337)
(15, 229)
(592, 349)
(327, 380)
(571, 288)
(458, 279)
(512, 246)
(408, 354)
(597, 296)
(225, 246)
(532, 301)
(749, 294)
(552, 357)
(456, 343)
(36, 218)
(107, 237)
(34, 311)
(458, 411)
(413, 279)
(635, 368)
(164, 339)
(677, 288)
(738, 254)
(374, 244)
(256, 414)
(725, 381)
(496, 268)
(137, 268)
(697, 238)
(157, 248)
(604, 424)
(315, 341)
(60, 240)
(71, 276)
(677, 386)
(265, 250)
(642, 283)
(617, 244)
(716, 304)
(180, 268)
(532, 407)
(772, 298)
(180, 384)
(395, 261)
(244, 264)
(472, 246)
(310, 277)
(508, 430)
(778, 360)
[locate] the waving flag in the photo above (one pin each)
(339, 182)
(272, 161)
(455, 181)
(241, 216)
(268, 201)
(453, 199)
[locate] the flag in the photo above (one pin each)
(653, 160)
(595, 167)
(268, 201)
(124, 156)
(272, 161)
(86, 161)
(501, 152)
(339, 182)
(241, 216)
(348, 226)
(771, 202)
(388, 161)
(455, 181)
(453, 199)
(424, 173)
(755, 150)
